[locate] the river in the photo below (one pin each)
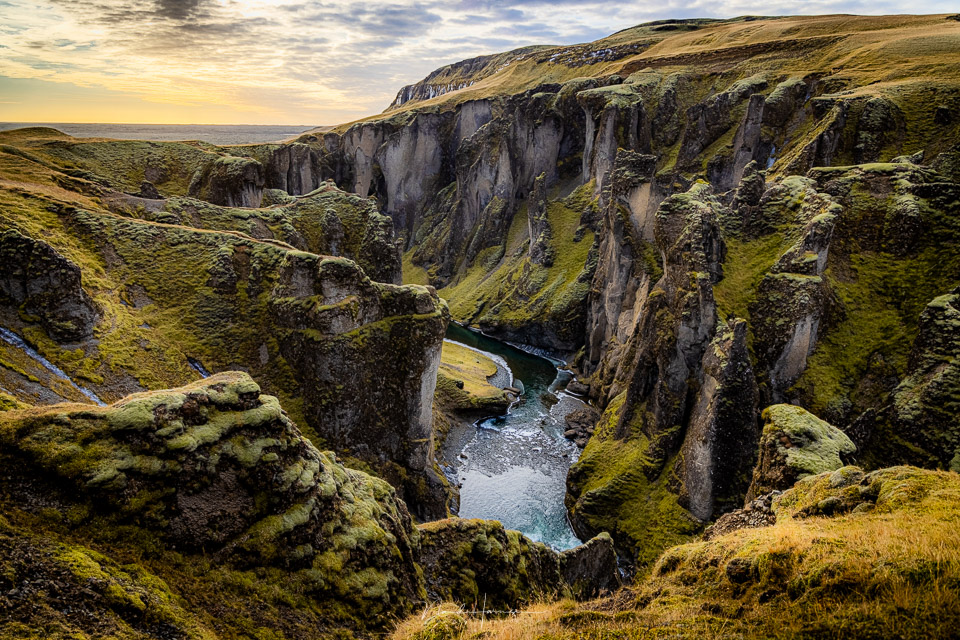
(513, 468)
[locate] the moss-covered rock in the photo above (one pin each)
(326, 221)
(61, 590)
(229, 181)
(479, 564)
(921, 423)
(795, 444)
(218, 468)
(176, 301)
(590, 569)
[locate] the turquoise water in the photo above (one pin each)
(513, 468)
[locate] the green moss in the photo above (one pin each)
(614, 493)
(882, 292)
(816, 446)
(505, 289)
(746, 263)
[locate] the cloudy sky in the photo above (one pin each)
(291, 61)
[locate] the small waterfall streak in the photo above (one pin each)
(14, 340)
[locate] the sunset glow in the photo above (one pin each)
(287, 61)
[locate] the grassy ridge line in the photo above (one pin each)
(859, 49)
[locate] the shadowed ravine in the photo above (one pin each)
(513, 468)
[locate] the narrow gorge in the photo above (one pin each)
(635, 338)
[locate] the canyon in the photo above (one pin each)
(225, 394)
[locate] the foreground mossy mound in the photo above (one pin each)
(208, 490)
(852, 555)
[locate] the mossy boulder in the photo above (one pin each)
(795, 444)
(479, 563)
(217, 468)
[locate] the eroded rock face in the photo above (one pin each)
(45, 285)
(795, 444)
(683, 428)
(625, 271)
(792, 298)
(679, 320)
(293, 168)
(230, 181)
(217, 467)
(477, 561)
(920, 424)
(591, 568)
(376, 345)
(538, 226)
(721, 440)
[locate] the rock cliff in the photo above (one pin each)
(125, 294)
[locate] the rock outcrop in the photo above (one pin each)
(756, 513)
(538, 225)
(590, 570)
(347, 337)
(478, 563)
(326, 221)
(795, 444)
(218, 468)
(178, 301)
(721, 440)
(683, 427)
(45, 287)
(792, 298)
(229, 181)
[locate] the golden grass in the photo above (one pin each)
(473, 369)
(861, 49)
(893, 571)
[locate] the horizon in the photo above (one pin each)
(31, 123)
(269, 62)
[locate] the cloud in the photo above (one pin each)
(307, 61)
